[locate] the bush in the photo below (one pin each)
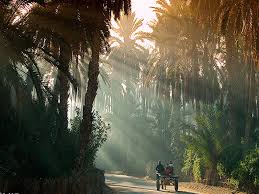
(98, 137)
(193, 165)
(230, 158)
(247, 173)
(31, 146)
(196, 170)
(188, 162)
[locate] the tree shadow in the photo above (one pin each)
(185, 192)
(133, 185)
(128, 189)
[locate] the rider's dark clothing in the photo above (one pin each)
(160, 168)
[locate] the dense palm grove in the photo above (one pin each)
(191, 98)
(40, 60)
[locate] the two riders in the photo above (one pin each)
(168, 170)
(166, 176)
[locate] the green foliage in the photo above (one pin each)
(193, 165)
(188, 161)
(98, 137)
(31, 145)
(247, 173)
(220, 170)
(207, 139)
(197, 174)
(230, 158)
(209, 147)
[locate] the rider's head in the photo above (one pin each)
(159, 162)
(171, 162)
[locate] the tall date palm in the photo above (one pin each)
(94, 19)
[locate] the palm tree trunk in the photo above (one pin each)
(251, 102)
(212, 175)
(235, 84)
(63, 89)
(92, 87)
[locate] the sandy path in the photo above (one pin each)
(132, 185)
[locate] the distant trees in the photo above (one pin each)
(125, 45)
(126, 59)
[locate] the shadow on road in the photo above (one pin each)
(132, 185)
(127, 180)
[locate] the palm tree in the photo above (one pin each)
(126, 57)
(126, 47)
(231, 17)
(17, 49)
(22, 83)
(208, 139)
(94, 21)
(103, 9)
(184, 50)
(237, 22)
(55, 39)
(92, 25)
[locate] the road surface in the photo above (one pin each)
(132, 185)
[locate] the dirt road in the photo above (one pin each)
(132, 185)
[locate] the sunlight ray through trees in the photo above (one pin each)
(176, 80)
